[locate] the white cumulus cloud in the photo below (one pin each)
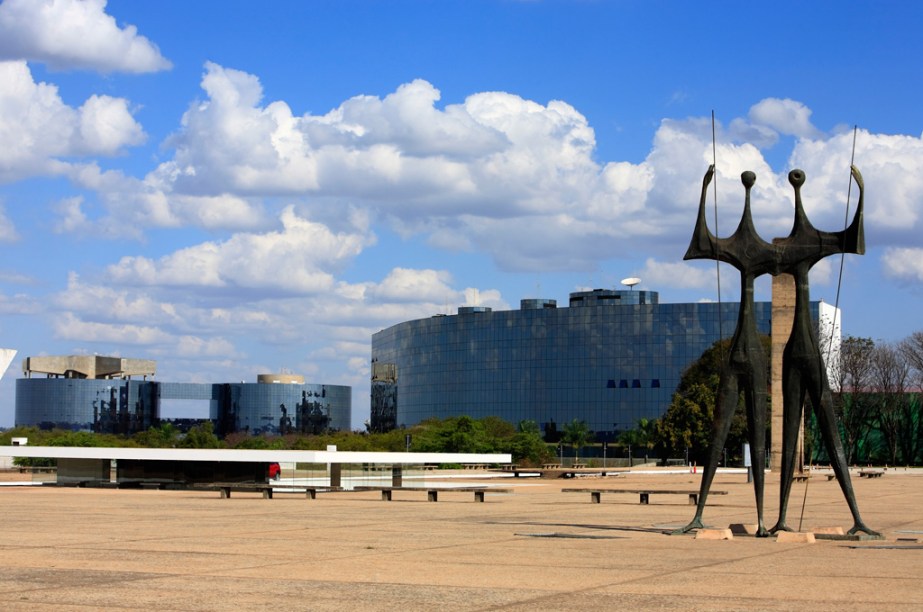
(299, 258)
(69, 34)
(45, 129)
(497, 173)
(905, 264)
(404, 284)
(785, 116)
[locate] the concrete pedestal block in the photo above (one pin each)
(795, 538)
(714, 534)
(828, 531)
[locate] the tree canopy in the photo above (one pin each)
(687, 424)
(461, 434)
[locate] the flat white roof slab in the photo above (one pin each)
(255, 456)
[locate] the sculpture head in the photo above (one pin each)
(748, 178)
(796, 178)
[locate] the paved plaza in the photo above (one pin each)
(537, 548)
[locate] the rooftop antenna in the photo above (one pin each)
(630, 282)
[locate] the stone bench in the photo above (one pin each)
(871, 473)
(267, 490)
(645, 494)
(310, 492)
(432, 493)
(225, 488)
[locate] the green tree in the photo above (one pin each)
(890, 378)
(854, 406)
(686, 426)
(642, 438)
(687, 423)
(164, 435)
(201, 436)
(527, 446)
(576, 434)
(911, 437)
(460, 434)
(455, 434)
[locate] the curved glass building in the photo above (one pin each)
(98, 394)
(610, 358)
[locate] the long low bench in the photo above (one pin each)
(871, 473)
(266, 489)
(309, 491)
(596, 494)
(242, 487)
(432, 493)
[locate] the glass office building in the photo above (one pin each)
(127, 406)
(611, 358)
(80, 404)
(282, 408)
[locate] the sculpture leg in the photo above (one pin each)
(724, 411)
(756, 424)
(826, 420)
(792, 402)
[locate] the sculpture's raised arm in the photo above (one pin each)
(854, 236)
(821, 243)
(703, 244)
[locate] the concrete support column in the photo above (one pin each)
(783, 316)
(397, 475)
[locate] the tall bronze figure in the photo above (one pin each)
(803, 371)
(745, 366)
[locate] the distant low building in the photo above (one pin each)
(104, 394)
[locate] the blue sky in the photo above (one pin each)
(234, 188)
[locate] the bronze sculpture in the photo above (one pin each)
(804, 373)
(745, 368)
(803, 370)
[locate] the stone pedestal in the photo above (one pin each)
(714, 534)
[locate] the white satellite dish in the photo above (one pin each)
(631, 282)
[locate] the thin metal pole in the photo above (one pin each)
(839, 284)
(714, 161)
(804, 502)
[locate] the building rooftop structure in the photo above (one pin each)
(88, 366)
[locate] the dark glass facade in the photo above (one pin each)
(609, 359)
(128, 406)
(282, 408)
(80, 404)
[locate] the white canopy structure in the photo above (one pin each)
(180, 467)
(249, 456)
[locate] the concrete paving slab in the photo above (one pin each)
(538, 549)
